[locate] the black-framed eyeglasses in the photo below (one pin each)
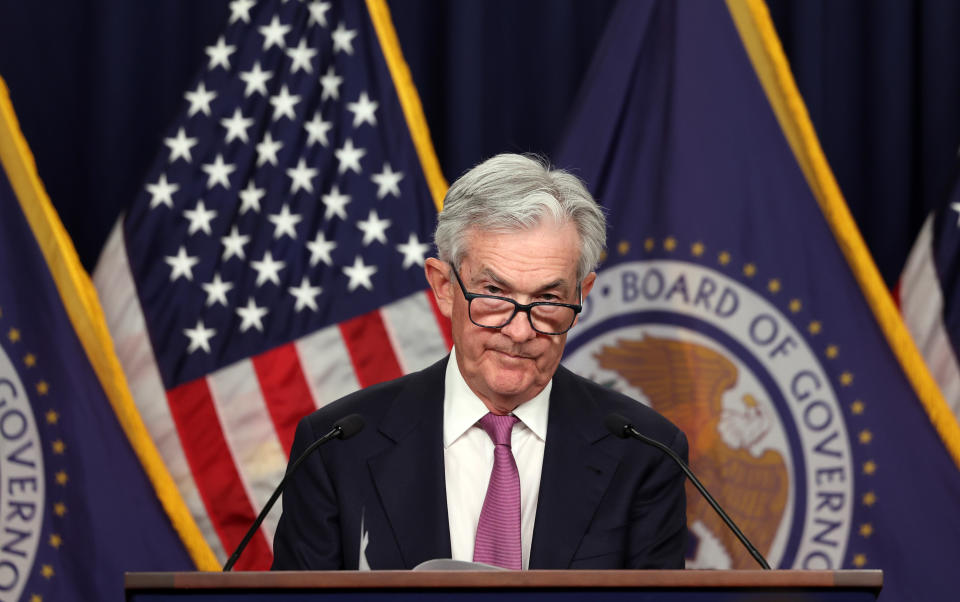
(546, 317)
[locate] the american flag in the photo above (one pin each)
(928, 292)
(272, 261)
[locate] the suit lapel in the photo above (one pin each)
(575, 475)
(408, 474)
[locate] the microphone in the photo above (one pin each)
(346, 427)
(621, 427)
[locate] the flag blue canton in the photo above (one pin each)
(280, 204)
(946, 258)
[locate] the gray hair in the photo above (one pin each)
(508, 193)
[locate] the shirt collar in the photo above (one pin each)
(462, 408)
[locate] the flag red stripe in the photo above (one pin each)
(371, 353)
(285, 390)
(216, 476)
(442, 321)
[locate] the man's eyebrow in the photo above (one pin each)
(559, 283)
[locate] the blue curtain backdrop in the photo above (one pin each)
(95, 83)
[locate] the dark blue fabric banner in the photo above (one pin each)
(730, 303)
(76, 508)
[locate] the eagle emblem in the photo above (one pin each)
(686, 382)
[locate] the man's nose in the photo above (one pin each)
(519, 328)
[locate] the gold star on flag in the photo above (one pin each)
(56, 541)
(62, 477)
(603, 255)
(47, 571)
(869, 467)
(846, 379)
(58, 446)
(649, 244)
(865, 436)
(723, 258)
(832, 351)
(857, 407)
(860, 560)
(670, 243)
(623, 247)
(29, 360)
(13, 335)
(697, 249)
(42, 387)
(866, 530)
(869, 498)
(815, 327)
(795, 305)
(52, 417)
(774, 286)
(36, 598)
(59, 508)
(749, 270)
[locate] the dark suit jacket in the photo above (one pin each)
(604, 503)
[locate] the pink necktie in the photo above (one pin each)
(498, 533)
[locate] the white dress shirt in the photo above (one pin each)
(468, 460)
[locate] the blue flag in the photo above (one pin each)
(77, 508)
(738, 299)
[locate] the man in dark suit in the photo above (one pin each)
(496, 453)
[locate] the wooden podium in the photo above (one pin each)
(603, 586)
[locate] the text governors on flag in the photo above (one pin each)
(738, 300)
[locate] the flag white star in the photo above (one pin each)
(217, 290)
(250, 198)
(301, 176)
(273, 33)
(359, 275)
(181, 264)
(413, 251)
(200, 218)
(180, 146)
(363, 110)
(387, 181)
(330, 83)
(374, 228)
(283, 104)
(256, 80)
(317, 130)
(199, 100)
(349, 157)
(199, 337)
(220, 55)
(301, 57)
(236, 126)
(268, 269)
(267, 150)
(306, 295)
(284, 223)
(318, 13)
(956, 207)
(161, 193)
(251, 316)
(343, 39)
(240, 10)
(218, 172)
(233, 244)
(336, 203)
(320, 249)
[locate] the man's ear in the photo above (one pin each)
(587, 284)
(438, 275)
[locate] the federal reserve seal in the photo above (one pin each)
(21, 483)
(766, 431)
